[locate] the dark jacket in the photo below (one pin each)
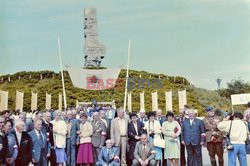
(4, 149)
(192, 134)
(24, 155)
(131, 135)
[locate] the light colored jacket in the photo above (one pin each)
(115, 134)
(156, 129)
(86, 132)
(59, 133)
(238, 134)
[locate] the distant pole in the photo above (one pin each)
(60, 57)
(126, 86)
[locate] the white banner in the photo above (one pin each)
(94, 79)
(182, 95)
(238, 99)
(169, 101)
(130, 102)
(33, 101)
(60, 102)
(3, 100)
(48, 101)
(142, 104)
(154, 101)
(19, 101)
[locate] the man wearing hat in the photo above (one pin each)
(214, 137)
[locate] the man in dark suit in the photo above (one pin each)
(72, 127)
(180, 120)
(144, 152)
(193, 136)
(109, 155)
(48, 130)
(24, 144)
(135, 130)
(142, 116)
(40, 145)
(3, 142)
(159, 116)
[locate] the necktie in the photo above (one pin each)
(40, 138)
(109, 154)
(144, 156)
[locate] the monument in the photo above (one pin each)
(93, 50)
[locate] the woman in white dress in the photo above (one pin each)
(153, 128)
(171, 130)
(59, 134)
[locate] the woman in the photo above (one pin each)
(171, 130)
(85, 153)
(153, 128)
(135, 129)
(59, 134)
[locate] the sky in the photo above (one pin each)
(200, 40)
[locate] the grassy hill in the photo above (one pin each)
(51, 83)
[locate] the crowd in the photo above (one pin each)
(111, 137)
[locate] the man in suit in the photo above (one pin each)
(193, 137)
(180, 120)
(159, 116)
(144, 152)
(142, 116)
(99, 134)
(48, 130)
(12, 145)
(40, 145)
(118, 133)
(109, 155)
(3, 142)
(135, 130)
(72, 127)
(24, 144)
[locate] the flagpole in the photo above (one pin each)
(126, 86)
(60, 57)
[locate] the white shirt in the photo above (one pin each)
(191, 121)
(38, 134)
(135, 126)
(19, 136)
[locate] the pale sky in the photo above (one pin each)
(197, 39)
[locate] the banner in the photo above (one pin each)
(94, 79)
(142, 104)
(182, 95)
(33, 101)
(60, 102)
(154, 101)
(3, 100)
(168, 97)
(19, 101)
(129, 102)
(48, 101)
(238, 99)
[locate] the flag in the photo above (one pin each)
(33, 101)
(142, 106)
(19, 101)
(3, 100)
(94, 79)
(60, 102)
(48, 101)
(168, 96)
(182, 98)
(154, 101)
(130, 102)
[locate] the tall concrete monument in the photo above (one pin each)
(93, 50)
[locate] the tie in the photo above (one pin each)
(40, 138)
(144, 156)
(109, 154)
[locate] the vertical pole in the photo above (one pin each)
(126, 86)
(60, 57)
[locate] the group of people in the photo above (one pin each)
(109, 137)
